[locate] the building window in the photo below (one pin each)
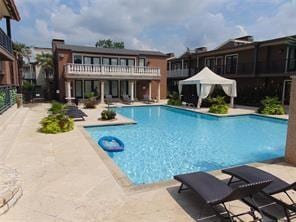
(1, 67)
(123, 62)
(106, 61)
(96, 61)
(292, 59)
(131, 62)
(78, 88)
(87, 60)
(231, 64)
(114, 61)
(142, 62)
(210, 63)
(78, 59)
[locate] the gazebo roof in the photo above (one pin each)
(206, 76)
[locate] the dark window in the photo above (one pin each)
(1, 68)
(231, 64)
(78, 88)
(292, 59)
(210, 63)
(78, 59)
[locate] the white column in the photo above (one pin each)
(150, 90)
(102, 92)
(199, 102)
(132, 90)
(68, 91)
(182, 67)
(158, 90)
(231, 102)
(290, 154)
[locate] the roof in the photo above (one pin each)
(206, 76)
(9, 9)
(88, 49)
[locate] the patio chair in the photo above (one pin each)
(75, 113)
(147, 100)
(275, 207)
(216, 193)
(126, 99)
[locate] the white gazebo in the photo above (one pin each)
(205, 82)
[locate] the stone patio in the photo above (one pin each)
(63, 179)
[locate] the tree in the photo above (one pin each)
(108, 43)
(21, 51)
(45, 60)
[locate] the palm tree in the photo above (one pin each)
(21, 51)
(45, 61)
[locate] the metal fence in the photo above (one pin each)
(7, 97)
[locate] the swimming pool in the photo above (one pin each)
(168, 141)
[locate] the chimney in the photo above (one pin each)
(171, 55)
(201, 49)
(56, 42)
(248, 38)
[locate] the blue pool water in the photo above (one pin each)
(168, 141)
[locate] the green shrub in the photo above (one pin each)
(108, 114)
(57, 121)
(271, 106)
(57, 108)
(174, 99)
(50, 125)
(91, 101)
(218, 105)
(218, 109)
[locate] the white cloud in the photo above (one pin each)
(167, 25)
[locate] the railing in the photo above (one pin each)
(178, 73)
(5, 42)
(7, 97)
(71, 68)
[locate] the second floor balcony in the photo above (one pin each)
(6, 51)
(83, 71)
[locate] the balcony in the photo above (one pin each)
(82, 71)
(178, 73)
(6, 51)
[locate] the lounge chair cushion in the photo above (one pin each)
(251, 175)
(207, 186)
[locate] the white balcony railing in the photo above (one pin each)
(101, 70)
(178, 73)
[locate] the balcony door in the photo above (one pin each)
(231, 64)
(211, 63)
(219, 65)
(291, 66)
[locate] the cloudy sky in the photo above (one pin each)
(166, 25)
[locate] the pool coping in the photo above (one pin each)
(122, 179)
(228, 115)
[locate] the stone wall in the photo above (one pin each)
(291, 137)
